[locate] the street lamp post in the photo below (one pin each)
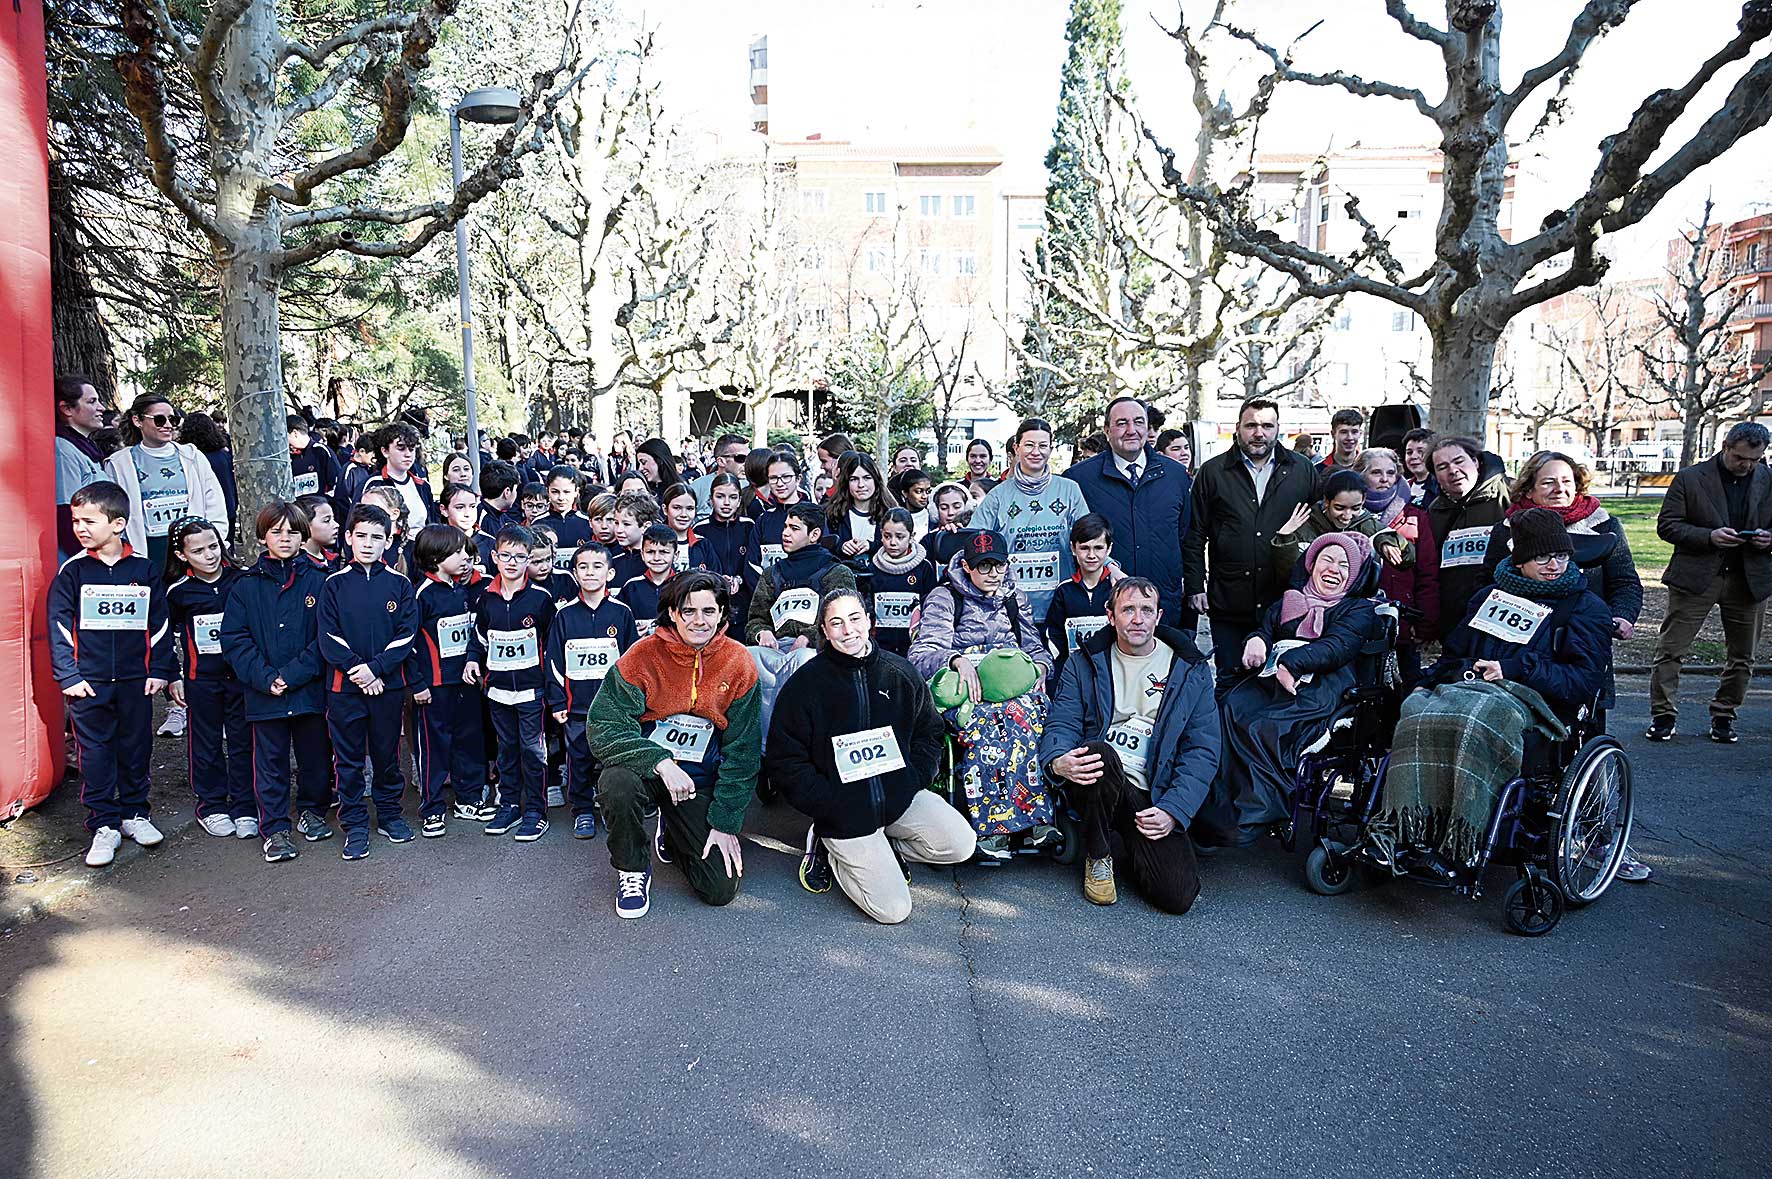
(489, 104)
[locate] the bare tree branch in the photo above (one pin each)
(316, 55)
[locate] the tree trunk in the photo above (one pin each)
(82, 345)
(942, 426)
(760, 422)
(1464, 362)
(883, 431)
(1692, 426)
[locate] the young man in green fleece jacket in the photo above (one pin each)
(677, 725)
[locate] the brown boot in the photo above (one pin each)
(1098, 880)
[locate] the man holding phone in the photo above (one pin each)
(1718, 517)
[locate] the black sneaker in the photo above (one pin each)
(395, 830)
(1722, 730)
(815, 865)
(532, 828)
(1045, 838)
(313, 826)
(659, 847)
(280, 847)
(507, 818)
(356, 844)
(1661, 728)
(584, 826)
(433, 826)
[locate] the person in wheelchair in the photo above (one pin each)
(1297, 666)
(1532, 651)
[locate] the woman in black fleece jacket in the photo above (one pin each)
(854, 742)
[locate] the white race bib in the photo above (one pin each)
(795, 605)
(1280, 647)
(1131, 739)
(1078, 631)
(306, 483)
(206, 633)
(1509, 618)
(869, 752)
(512, 650)
(563, 559)
(894, 610)
(113, 607)
(452, 635)
(1034, 572)
(1464, 546)
(161, 509)
(684, 737)
(771, 554)
(680, 562)
(589, 659)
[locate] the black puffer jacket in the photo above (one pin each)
(831, 696)
(1461, 526)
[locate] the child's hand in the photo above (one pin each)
(374, 687)
(560, 717)
(79, 691)
(470, 673)
(423, 696)
(278, 687)
(152, 686)
(176, 690)
(361, 676)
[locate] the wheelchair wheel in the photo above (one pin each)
(1328, 871)
(1532, 905)
(1594, 815)
(1069, 848)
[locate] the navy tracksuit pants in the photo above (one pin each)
(581, 769)
(366, 755)
(449, 746)
(272, 742)
(114, 734)
(522, 761)
(218, 748)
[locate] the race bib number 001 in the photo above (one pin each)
(1464, 546)
(1034, 571)
(206, 633)
(894, 610)
(512, 650)
(589, 659)
(795, 605)
(684, 737)
(1509, 618)
(867, 753)
(113, 607)
(452, 635)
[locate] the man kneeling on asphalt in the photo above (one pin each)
(676, 726)
(1132, 740)
(854, 743)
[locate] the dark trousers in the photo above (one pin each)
(366, 755)
(448, 746)
(114, 737)
(522, 763)
(218, 748)
(1164, 871)
(624, 795)
(581, 769)
(272, 741)
(1228, 637)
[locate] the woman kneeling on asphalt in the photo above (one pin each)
(854, 742)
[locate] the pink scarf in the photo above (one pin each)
(1310, 605)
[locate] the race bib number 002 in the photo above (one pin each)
(512, 650)
(867, 753)
(684, 737)
(1509, 618)
(1464, 546)
(589, 659)
(113, 607)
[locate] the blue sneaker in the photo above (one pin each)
(532, 828)
(395, 830)
(356, 844)
(658, 843)
(584, 826)
(506, 818)
(633, 893)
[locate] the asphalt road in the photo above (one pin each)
(473, 1007)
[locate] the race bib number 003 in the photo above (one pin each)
(113, 607)
(1509, 618)
(894, 610)
(1464, 546)
(867, 753)
(589, 659)
(684, 737)
(1131, 739)
(512, 650)
(206, 633)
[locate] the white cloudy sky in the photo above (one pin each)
(986, 71)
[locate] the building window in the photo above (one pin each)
(1402, 321)
(965, 206)
(929, 205)
(930, 261)
(1345, 321)
(812, 258)
(874, 261)
(876, 202)
(760, 56)
(1753, 256)
(965, 261)
(812, 201)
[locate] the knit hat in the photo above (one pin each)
(1538, 532)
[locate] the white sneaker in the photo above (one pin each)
(174, 724)
(143, 831)
(105, 842)
(246, 827)
(218, 824)
(556, 796)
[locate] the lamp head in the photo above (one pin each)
(490, 104)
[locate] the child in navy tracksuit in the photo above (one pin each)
(1079, 605)
(446, 662)
(512, 627)
(269, 638)
(571, 526)
(218, 746)
(587, 636)
(321, 546)
(368, 620)
(900, 579)
(658, 557)
(110, 645)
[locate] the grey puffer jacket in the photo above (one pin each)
(982, 622)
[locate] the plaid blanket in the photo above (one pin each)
(1455, 747)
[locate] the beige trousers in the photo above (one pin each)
(1741, 631)
(929, 832)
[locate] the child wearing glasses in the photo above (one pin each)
(511, 625)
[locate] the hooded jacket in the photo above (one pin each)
(1185, 739)
(203, 491)
(832, 695)
(961, 616)
(1567, 660)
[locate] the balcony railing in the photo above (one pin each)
(1749, 312)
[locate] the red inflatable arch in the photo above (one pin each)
(31, 750)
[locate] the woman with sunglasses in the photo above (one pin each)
(164, 479)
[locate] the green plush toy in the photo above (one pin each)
(1002, 675)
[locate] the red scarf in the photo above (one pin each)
(1583, 507)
